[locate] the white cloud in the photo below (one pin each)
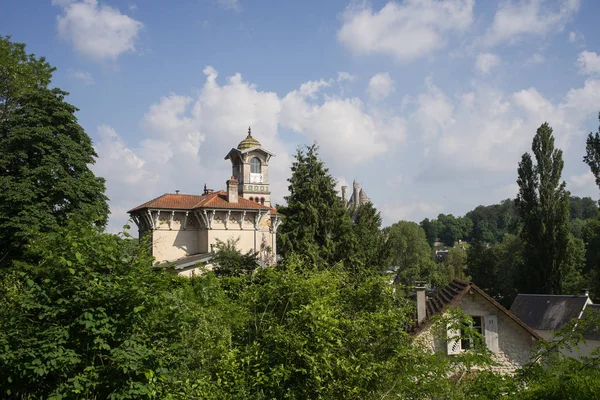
(82, 76)
(345, 76)
(485, 131)
(347, 134)
(185, 138)
(536, 58)
(406, 31)
(230, 5)
(97, 31)
(380, 86)
(485, 62)
(580, 181)
(576, 37)
(410, 211)
(515, 20)
(589, 63)
(434, 111)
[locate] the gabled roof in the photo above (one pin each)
(190, 202)
(449, 296)
(548, 312)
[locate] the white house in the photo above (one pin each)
(507, 337)
(184, 228)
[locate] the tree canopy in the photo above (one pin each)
(44, 155)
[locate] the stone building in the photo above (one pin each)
(509, 339)
(357, 198)
(184, 228)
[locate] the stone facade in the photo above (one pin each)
(182, 226)
(510, 341)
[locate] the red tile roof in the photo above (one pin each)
(212, 200)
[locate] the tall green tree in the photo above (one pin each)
(410, 253)
(592, 157)
(543, 206)
(315, 221)
(44, 156)
(371, 240)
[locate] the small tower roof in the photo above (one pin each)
(249, 142)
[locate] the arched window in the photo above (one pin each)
(262, 201)
(256, 200)
(251, 199)
(255, 166)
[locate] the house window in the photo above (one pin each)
(255, 166)
(458, 340)
(466, 342)
(262, 201)
(251, 199)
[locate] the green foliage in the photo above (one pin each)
(371, 239)
(592, 157)
(44, 156)
(453, 265)
(543, 206)
(410, 253)
(491, 223)
(315, 222)
(228, 261)
(20, 73)
(495, 269)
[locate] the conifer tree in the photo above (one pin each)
(315, 222)
(543, 206)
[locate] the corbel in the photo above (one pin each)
(150, 219)
(242, 220)
(185, 220)
(171, 219)
(227, 218)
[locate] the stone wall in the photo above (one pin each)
(515, 344)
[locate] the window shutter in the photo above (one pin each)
(453, 340)
(491, 333)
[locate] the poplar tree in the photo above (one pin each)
(543, 206)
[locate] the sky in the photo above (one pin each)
(427, 104)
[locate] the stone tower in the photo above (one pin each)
(250, 167)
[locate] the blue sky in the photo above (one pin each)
(428, 104)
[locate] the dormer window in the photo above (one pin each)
(255, 166)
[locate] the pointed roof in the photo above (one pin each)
(449, 296)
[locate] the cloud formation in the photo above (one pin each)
(405, 31)
(485, 62)
(98, 32)
(380, 86)
(589, 63)
(515, 20)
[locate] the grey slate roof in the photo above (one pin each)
(547, 312)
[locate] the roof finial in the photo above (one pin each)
(249, 132)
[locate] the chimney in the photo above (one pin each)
(232, 190)
(421, 302)
(345, 194)
(356, 194)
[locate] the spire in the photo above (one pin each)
(249, 133)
